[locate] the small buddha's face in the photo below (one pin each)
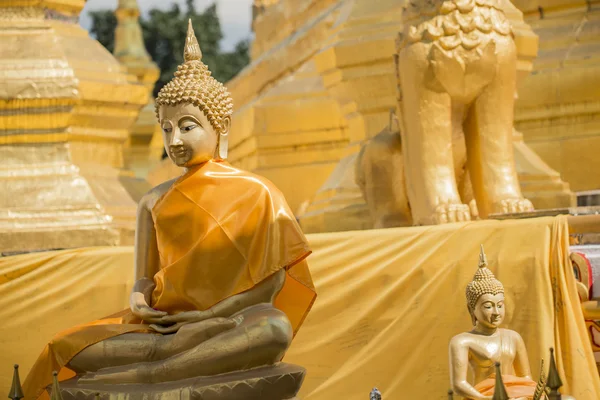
(188, 136)
(489, 310)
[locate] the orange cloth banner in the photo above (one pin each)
(389, 302)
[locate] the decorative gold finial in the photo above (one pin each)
(16, 391)
(56, 395)
(540, 388)
(499, 389)
(191, 51)
(553, 382)
(484, 282)
(482, 258)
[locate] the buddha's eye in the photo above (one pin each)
(188, 127)
(167, 129)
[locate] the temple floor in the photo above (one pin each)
(389, 302)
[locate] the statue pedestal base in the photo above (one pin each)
(278, 382)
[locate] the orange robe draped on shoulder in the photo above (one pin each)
(220, 231)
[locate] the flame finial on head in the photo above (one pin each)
(482, 258)
(191, 51)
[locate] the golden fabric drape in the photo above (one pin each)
(389, 302)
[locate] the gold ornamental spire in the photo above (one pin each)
(56, 395)
(499, 388)
(16, 390)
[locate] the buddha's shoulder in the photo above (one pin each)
(462, 339)
(151, 197)
(246, 179)
(509, 333)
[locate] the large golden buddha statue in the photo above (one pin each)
(222, 284)
(487, 344)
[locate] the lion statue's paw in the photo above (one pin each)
(446, 213)
(512, 206)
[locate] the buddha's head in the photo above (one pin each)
(485, 297)
(194, 111)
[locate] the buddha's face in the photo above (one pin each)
(188, 137)
(489, 310)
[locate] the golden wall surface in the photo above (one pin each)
(558, 110)
(66, 106)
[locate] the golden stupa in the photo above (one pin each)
(66, 105)
(143, 147)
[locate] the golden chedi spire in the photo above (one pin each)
(129, 43)
(194, 84)
(143, 148)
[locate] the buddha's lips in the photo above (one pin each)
(179, 152)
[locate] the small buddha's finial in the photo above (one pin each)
(553, 382)
(482, 258)
(375, 394)
(450, 395)
(191, 49)
(56, 395)
(16, 391)
(499, 389)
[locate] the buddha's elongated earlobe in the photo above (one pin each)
(223, 145)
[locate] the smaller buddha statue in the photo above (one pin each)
(487, 344)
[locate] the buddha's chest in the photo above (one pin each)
(486, 351)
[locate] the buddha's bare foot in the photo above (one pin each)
(446, 213)
(511, 206)
(116, 375)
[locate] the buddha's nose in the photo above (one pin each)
(176, 139)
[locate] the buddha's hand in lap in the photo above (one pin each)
(172, 323)
(141, 309)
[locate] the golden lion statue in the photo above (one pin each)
(456, 68)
